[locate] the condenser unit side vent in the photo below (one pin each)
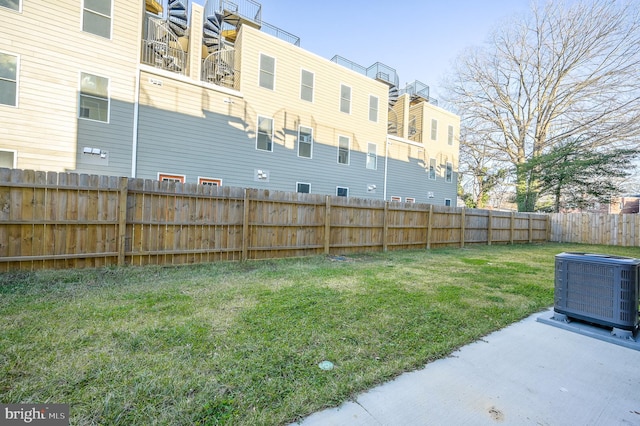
(600, 289)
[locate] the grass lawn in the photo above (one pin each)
(239, 343)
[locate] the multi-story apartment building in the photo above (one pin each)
(213, 95)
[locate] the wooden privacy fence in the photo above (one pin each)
(67, 220)
(596, 228)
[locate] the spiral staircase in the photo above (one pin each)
(222, 21)
(165, 37)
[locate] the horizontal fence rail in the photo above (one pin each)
(68, 220)
(595, 228)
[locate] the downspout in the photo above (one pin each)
(136, 109)
(386, 163)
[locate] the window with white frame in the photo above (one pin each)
(434, 129)
(305, 142)
(94, 97)
(171, 177)
(303, 187)
(306, 85)
(12, 4)
(8, 158)
(372, 156)
(342, 191)
(410, 200)
(267, 72)
(432, 168)
(96, 17)
(447, 202)
(373, 108)
(450, 135)
(343, 149)
(396, 199)
(449, 175)
(264, 135)
(9, 79)
(345, 99)
(209, 181)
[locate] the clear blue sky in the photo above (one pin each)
(420, 39)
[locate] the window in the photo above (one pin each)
(449, 175)
(209, 181)
(306, 86)
(447, 202)
(11, 4)
(267, 72)
(94, 97)
(372, 156)
(398, 199)
(345, 99)
(450, 135)
(96, 17)
(304, 188)
(264, 136)
(8, 159)
(432, 168)
(342, 191)
(373, 108)
(8, 79)
(170, 177)
(410, 200)
(305, 141)
(343, 150)
(434, 129)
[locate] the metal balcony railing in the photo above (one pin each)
(377, 71)
(279, 33)
(161, 55)
(349, 64)
(380, 71)
(248, 10)
(161, 48)
(219, 68)
(418, 89)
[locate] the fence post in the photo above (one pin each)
(489, 228)
(512, 228)
(429, 226)
(530, 229)
(462, 227)
(122, 218)
(327, 224)
(385, 226)
(245, 226)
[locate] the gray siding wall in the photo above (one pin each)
(217, 146)
(114, 137)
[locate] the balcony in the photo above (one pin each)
(418, 92)
(281, 34)
(219, 68)
(384, 73)
(161, 48)
(377, 71)
(236, 13)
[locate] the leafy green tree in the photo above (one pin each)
(574, 177)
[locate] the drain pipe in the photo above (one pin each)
(134, 144)
(386, 163)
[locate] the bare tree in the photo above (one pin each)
(565, 72)
(479, 170)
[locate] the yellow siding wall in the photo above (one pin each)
(323, 114)
(47, 36)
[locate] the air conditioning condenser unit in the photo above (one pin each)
(600, 289)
